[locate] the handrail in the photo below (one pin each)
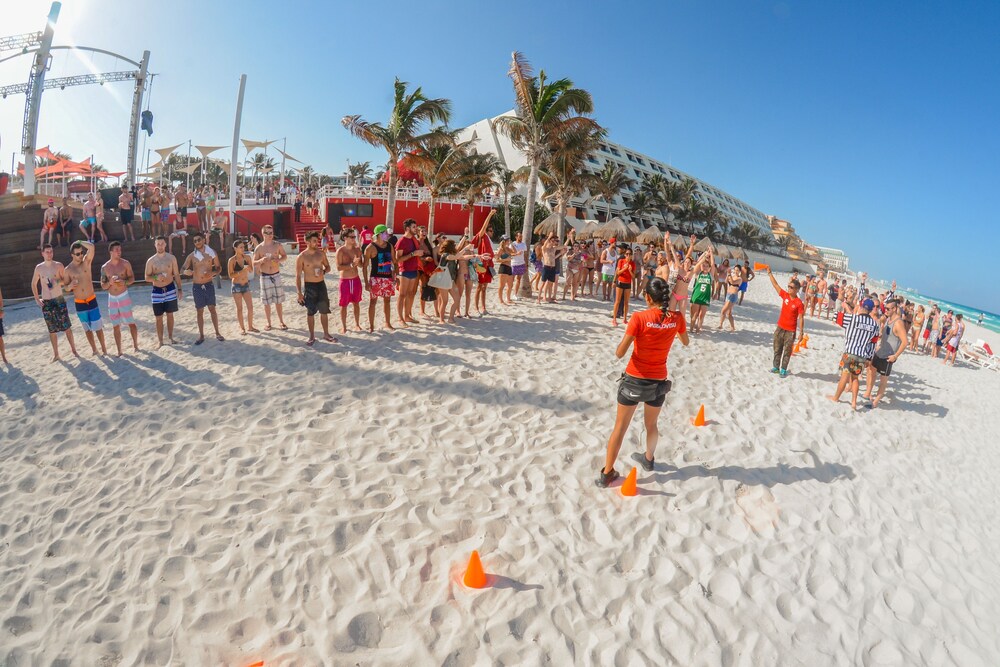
(420, 194)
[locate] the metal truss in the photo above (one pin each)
(63, 82)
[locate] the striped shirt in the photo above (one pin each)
(862, 332)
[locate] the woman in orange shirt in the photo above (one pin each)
(624, 273)
(649, 334)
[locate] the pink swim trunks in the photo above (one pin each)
(350, 291)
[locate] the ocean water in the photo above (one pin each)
(991, 321)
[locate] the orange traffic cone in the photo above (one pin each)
(259, 663)
(805, 343)
(628, 487)
(699, 420)
(795, 349)
(474, 575)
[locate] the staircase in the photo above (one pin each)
(308, 222)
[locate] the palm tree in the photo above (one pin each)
(543, 110)
(402, 133)
(562, 171)
(783, 242)
(475, 178)
(747, 235)
(505, 181)
(611, 180)
(440, 163)
(639, 204)
(356, 172)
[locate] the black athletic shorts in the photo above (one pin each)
(505, 270)
(316, 299)
(548, 274)
(633, 391)
(882, 366)
(126, 214)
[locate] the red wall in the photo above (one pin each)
(258, 217)
(448, 218)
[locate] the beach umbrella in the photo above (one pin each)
(588, 230)
(550, 225)
(615, 229)
(651, 236)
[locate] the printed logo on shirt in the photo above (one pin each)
(658, 325)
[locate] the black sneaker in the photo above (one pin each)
(646, 464)
(604, 479)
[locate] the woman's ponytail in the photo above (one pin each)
(658, 291)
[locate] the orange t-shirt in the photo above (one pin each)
(653, 339)
(790, 309)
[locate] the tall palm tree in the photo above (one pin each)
(475, 178)
(747, 235)
(505, 181)
(411, 112)
(440, 163)
(543, 110)
(610, 181)
(562, 171)
(640, 203)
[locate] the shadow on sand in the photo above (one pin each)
(769, 476)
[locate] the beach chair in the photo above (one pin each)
(969, 354)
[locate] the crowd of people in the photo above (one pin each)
(448, 278)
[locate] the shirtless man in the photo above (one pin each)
(267, 259)
(348, 261)
(311, 268)
(380, 279)
(116, 277)
(820, 299)
(203, 264)
(551, 252)
(145, 199)
(46, 286)
(89, 223)
(125, 213)
(78, 276)
(162, 272)
(65, 222)
(50, 224)
(609, 263)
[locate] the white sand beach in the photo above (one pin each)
(255, 500)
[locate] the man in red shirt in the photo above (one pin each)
(408, 252)
(792, 316)
(649, 334)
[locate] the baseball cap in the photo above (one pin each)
(52, 201)
(379, 229)
(867, 304)
(613, 240)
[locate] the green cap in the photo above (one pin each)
(379, 229)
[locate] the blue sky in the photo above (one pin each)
(870, 126)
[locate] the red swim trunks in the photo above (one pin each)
(350, 291)
(383, 287)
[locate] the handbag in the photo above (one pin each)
(441, 279)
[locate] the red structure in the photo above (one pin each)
(449, 218)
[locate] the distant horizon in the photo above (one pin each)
(868, 129)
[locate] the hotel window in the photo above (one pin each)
(639, 160)
(604, 148)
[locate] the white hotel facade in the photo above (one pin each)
(486, 139)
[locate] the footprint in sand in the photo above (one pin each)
(758, 507)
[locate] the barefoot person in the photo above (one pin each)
(701, 290)
(125, 213)
(65, 222)
(859, 346)
(380, 278)
(792, 316)
(203, 265)
(649, 335)
(50, 224)
(518, 264)
(267, 259)
(238, 268)
(733, 283)
(408, 253)
(162, 272)
(624, 273)
(484, 250)
(46, 286)
(348, 260)
(116, 278)
(609, 264)
(311, 268)
(78, 276)
(551, 252)
(892, 342)
(953, 338)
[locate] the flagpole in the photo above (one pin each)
(284, 147)
(189, 164)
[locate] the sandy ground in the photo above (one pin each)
(258, 500)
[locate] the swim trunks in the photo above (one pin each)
(270, 289)
(164, 300)
(518, 269)
(56, 314)
(120, 309)
(549, 275)
(743, 287)
(1, 327)
(383, 287)
(126, 214)
(316, 299)
(204, 294)
(146, 215)
(606, 278)
(350, 291)
(411, 275)
(89, 314)
(882, 366)
(853, 364)
(87, 222)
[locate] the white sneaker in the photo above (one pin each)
(515, 298)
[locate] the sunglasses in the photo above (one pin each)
(79, 254)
